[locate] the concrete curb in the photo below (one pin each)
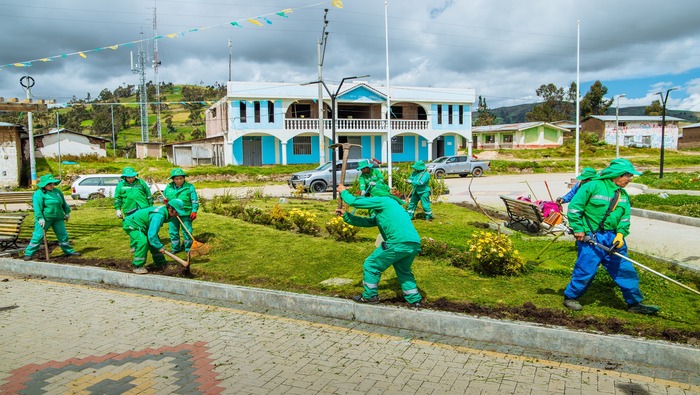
(588, 345)
(678, 219)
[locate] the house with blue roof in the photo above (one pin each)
(279, 123)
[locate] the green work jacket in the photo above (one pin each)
(590, 204)
(49, 205)
(186, 193)
(388, 215)
(376, 176)
(149, 221)
(136, 195)
(420, 179)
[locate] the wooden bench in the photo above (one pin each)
(16, 197)
(10, 225)
(524, 216)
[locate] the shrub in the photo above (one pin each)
(279, 218)
(252, 214)
(493, 254)
(341, 230)
(305, 222)
(460, 259)
(434, 248)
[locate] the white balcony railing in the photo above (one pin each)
(360, 125)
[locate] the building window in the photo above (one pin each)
(256, 111)
(489, 139)
(213, 112)
(507, 138)
(397, 145)
(242, 108)
(271, 112)
(301, 110)
(461, 115)
(439, 115)
(449, 114)
(396, 112)
(302, 145)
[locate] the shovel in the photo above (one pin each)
(611, 251)
(343, 168)
(185, 264)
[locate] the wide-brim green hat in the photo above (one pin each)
(178, 205)
(47, 179)
(617, 168)
(129, 172)
(419, 165)
(587, 173)
(364, 164)
(177, 172)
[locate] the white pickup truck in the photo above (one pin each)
(457, 164)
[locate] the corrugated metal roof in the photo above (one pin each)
(695, 125)
(635, 118)
(273, 90)
(513, 127)
(5, 124)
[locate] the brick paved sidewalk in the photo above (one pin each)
(67, 338)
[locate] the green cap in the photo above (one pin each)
(617, 168)
(587, 173)
(47, 179)
(363, 164)
(419, 165)
(177, 172)
(129, 172)
(178, 205)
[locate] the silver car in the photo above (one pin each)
(318, 179)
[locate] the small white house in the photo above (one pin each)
(69, 143)
(10, 150)
(634, 129)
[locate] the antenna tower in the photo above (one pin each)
(156, 65)
(143, 97)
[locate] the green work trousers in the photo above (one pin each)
(401, 256)
(59, 228)
(139, 242)
(424, 198)
(174, 232)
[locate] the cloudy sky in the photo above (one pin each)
(504, 49)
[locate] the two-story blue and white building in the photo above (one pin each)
(278, 123)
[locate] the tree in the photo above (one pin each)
(552, 108)
(484, 116)
(594, 103)
(198, 134)
(654, 109)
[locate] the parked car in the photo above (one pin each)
(638, 144)
(95, 186)
(457, 164)
(318, 179)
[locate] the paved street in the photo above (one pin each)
(69, 338)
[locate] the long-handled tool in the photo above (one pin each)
(548, 191)
(46, 245)
(197, 248)
(611, 251)
(177, 259)
(343, 168)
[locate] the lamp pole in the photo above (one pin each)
(617, 126)
(663, 129)
(333, 97)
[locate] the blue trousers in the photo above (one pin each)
(621, 271)
(399, 255)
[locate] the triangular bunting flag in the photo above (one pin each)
(82, 55)
(337, 3)
(254, 22)
(235, 24)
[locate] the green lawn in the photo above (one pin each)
(261, 256)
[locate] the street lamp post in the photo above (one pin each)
(617, 126)
(333, 97)
(663, 128)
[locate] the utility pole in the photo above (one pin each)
(58, 138)
(27, 83)
(321, 56)
(230, 58)
(114, 143)
(140, 69)
(617, 126)
(156, 65)
(663, 129)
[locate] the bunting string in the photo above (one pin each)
(258, 21)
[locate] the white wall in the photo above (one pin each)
(71, 144)
(9, 171)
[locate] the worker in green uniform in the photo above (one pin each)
(183, 190)
(371, 179)
(400, 246)
(142, 228)
(50, 211)
(420, 181)
(132, 193)
(601, 210)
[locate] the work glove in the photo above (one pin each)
(619, 241)
(560, 200)
(42, 223)
(66, 217)
(119, 214)
(409, 182)
(372, 184)
(193, 215)
(165, 201)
